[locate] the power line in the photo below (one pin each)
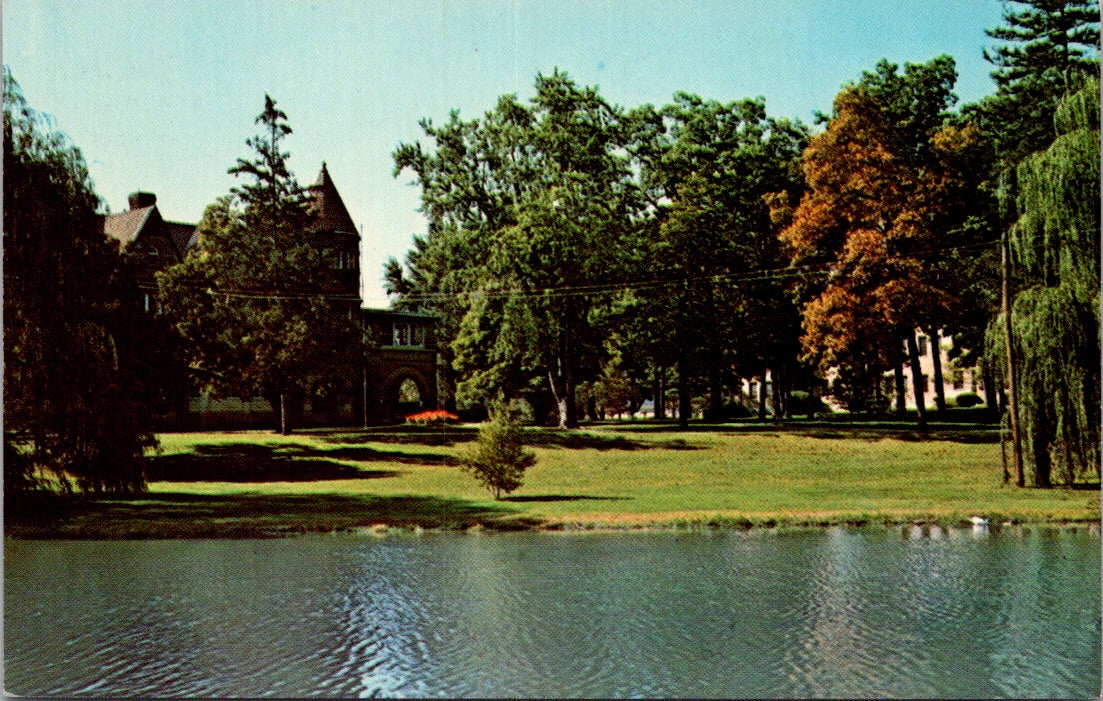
(760, 275)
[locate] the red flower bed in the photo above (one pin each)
(433, 416)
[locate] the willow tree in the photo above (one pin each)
(1055, 315)
(72, 406)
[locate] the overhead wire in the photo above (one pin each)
(582, 290)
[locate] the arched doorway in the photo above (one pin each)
(409, 397)
(406, 391)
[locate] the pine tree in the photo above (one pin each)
(498, 459)
(250, 299)
(1048, 45)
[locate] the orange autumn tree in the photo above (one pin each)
(878, 204)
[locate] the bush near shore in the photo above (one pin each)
(256, 484)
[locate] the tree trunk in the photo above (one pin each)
(716, 389)
(877, 405)
(762, 398)
(786, 395)
(562, 382)
(936, 358)
(776, 386)
(991, 399)
(285, 419)
(1009, 355)
(591, 408)
(917, 382)
(901, 390)
(685, 399)
(660, 393)
(1040, 441)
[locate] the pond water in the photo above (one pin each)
(836, 612)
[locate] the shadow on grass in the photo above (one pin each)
(560, 497)
(187, 515)
(276, 462)
(870, 430)
(399, 456)
(913, 435)
(1089, 486)
(534, 436)
(250, 462)
(401, 435)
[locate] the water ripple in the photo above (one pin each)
(818, 614)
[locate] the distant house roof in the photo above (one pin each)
(182, 235)
(328, 207)
(125, 226)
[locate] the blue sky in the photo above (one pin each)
(161, 96)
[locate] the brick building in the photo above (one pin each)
(398, 371)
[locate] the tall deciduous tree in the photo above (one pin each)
(885, 180)
(523, 205)
(711, 171)
(250, 299)
(1055, 316)
(69, 389)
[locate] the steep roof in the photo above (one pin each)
(124, 227)
(328, 207)
(181, 235)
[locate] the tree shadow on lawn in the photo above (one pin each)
(870, 431)
(401, 435)
(250, 462)
(560, 497)
(187, 515)
(911, 435)
(533, 436)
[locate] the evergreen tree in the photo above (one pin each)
(70, 405)
(498, 458)
(1048, 45)
(250, 299)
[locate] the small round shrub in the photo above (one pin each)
(967, 399)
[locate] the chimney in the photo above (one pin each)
(138, 200)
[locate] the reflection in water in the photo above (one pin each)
(908, 612)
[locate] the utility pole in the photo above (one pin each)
(1012, 402)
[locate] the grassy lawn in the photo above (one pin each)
(259, 483)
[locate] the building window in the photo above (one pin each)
(339, 260)
(922, 341)
(407, 335)
(959, 379)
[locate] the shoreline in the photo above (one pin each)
(251, 485)
(709, 525)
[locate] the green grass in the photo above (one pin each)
(256, 483)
